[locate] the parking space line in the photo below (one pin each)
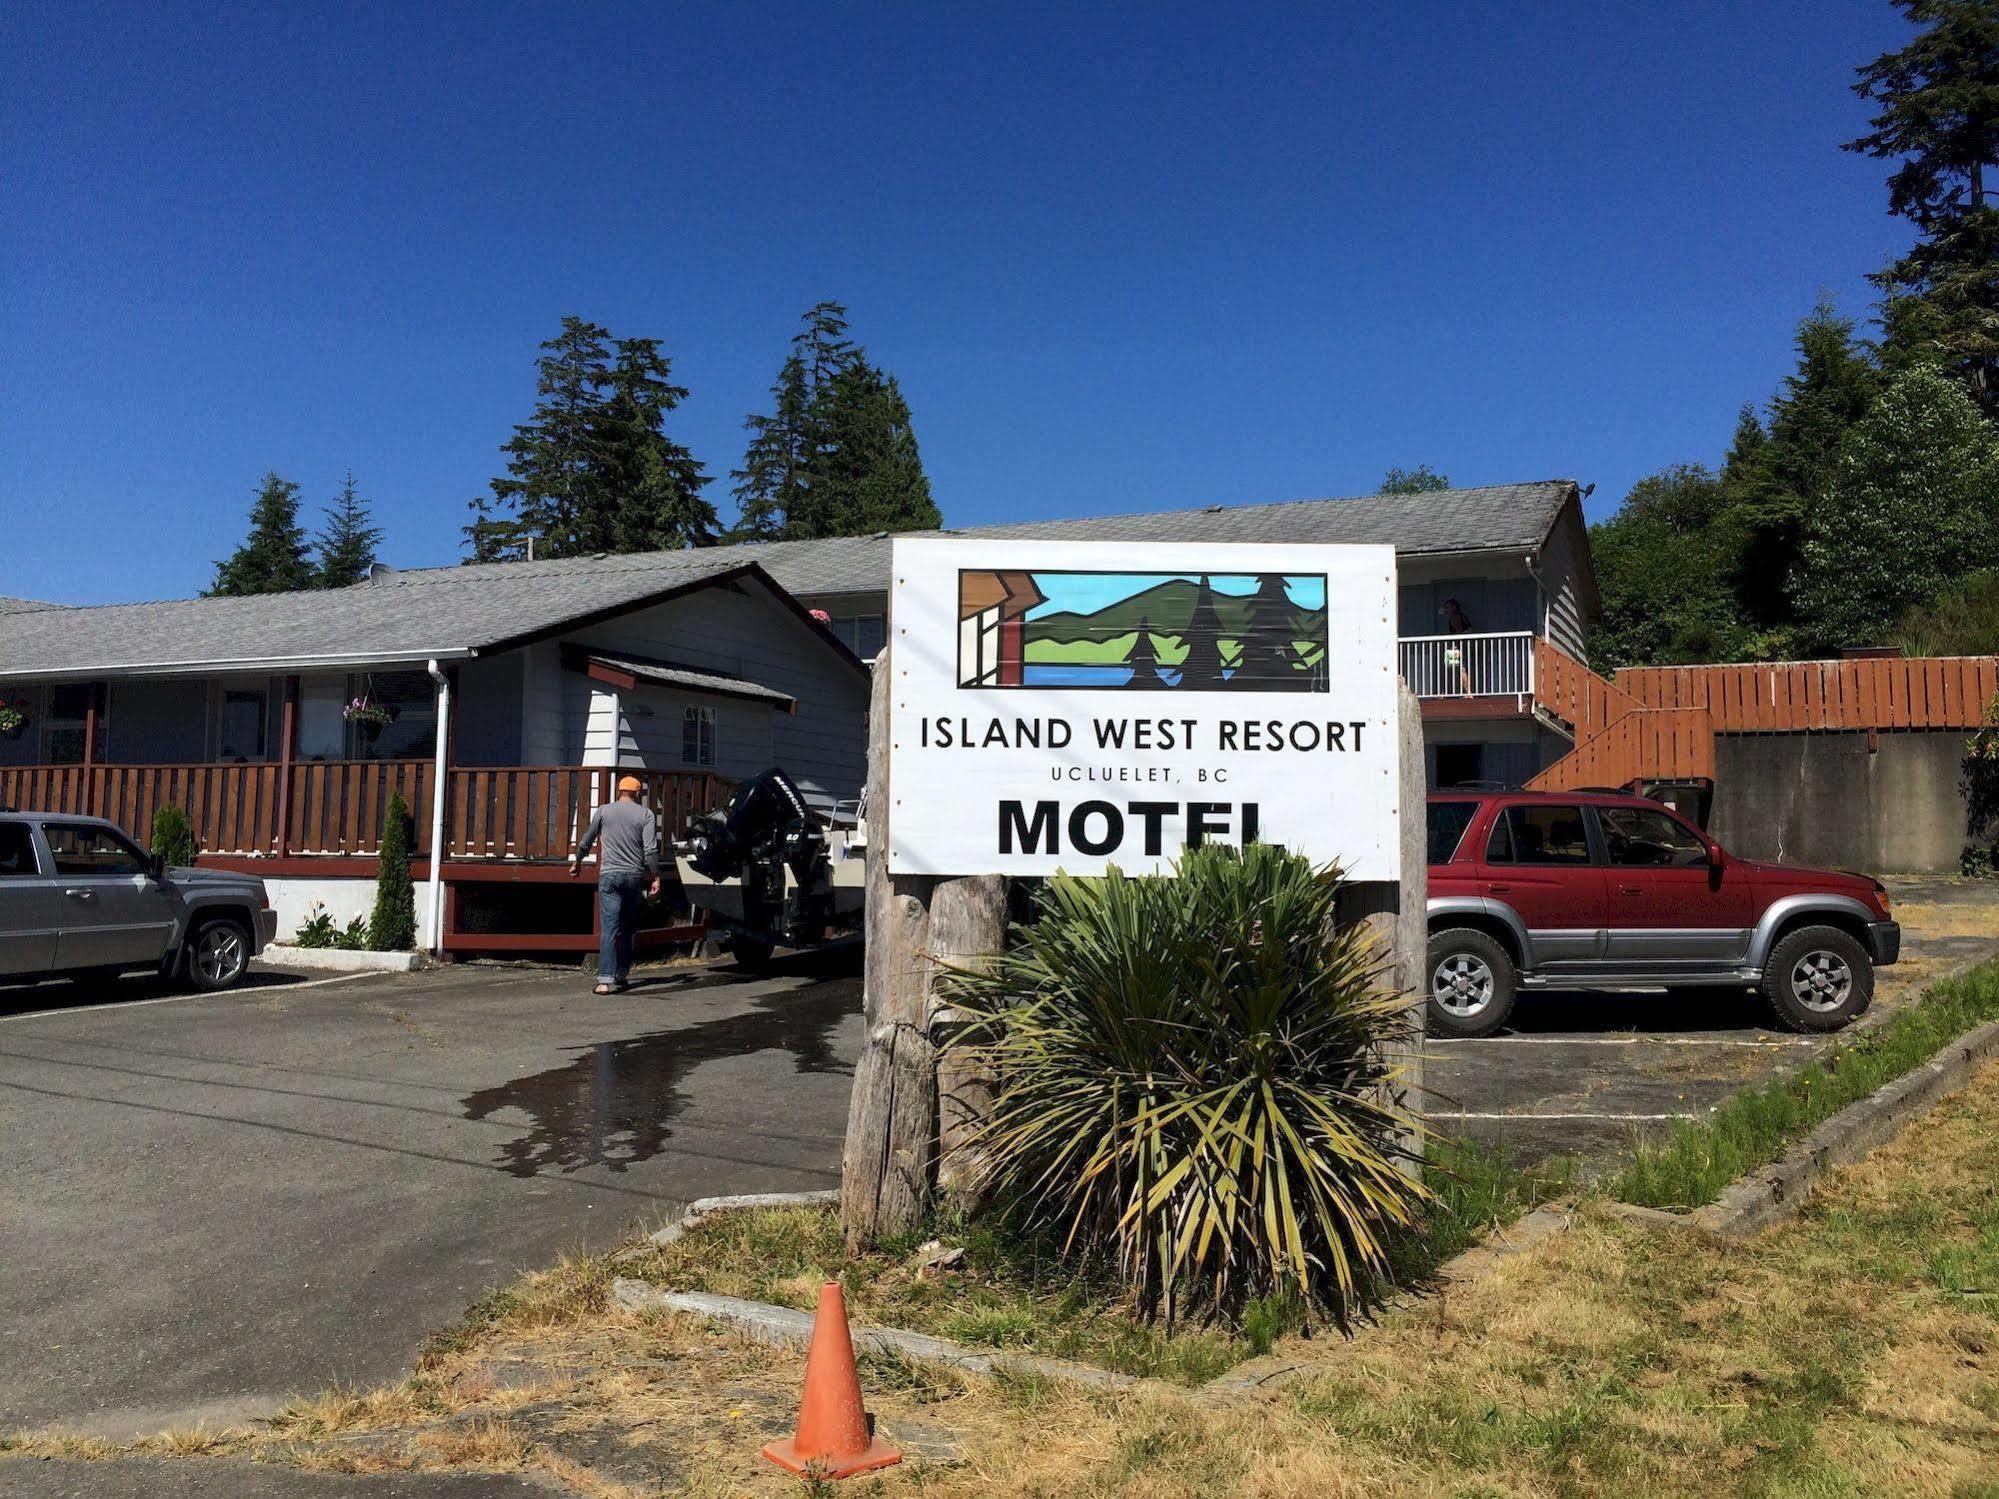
(173, 999)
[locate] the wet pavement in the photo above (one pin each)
(1587, 1075)
(216, 1202)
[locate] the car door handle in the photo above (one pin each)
(81, 894)
(1499, 889)
(1630, 890)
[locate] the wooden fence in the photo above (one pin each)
(337, 807)
(1935, 692)
(1575, 694)
(1654, 743)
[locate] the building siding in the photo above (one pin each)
(1565, 620)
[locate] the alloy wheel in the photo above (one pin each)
(1821, 980)
(1462, 984)
(220, 955)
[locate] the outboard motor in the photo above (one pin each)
(766, 830)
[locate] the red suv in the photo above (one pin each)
(1574, 890)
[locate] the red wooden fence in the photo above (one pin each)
(1655, 743)
(1935, 692)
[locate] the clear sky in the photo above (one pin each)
(1120, 257)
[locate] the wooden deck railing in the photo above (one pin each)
(1575, 694)
(337, 806)
(1648, 743)
(1935, 692)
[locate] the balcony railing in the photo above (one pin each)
(1494, 664)
(337, 807)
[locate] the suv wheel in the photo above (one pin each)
(1818, 978)
(218, 953)
(1471, 983)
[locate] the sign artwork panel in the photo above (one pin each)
(1077, 705)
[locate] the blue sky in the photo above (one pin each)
(1120, 257)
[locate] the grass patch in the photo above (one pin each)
(1697, 1158)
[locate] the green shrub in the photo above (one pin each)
(1190, 1082)
(173, 838)
(1981, 797)
(318, 930)
(393, 926)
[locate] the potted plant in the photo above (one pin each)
(13, 718)
(367, 716)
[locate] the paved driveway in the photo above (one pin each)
(1583, 1074)
(215, 1202)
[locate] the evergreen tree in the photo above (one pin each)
(1914, 508)
(1422, 479)
(1939, 119)
(837, 454)
(1143, 659)
(1831, 389)
(347, 543)
(645, 490)
(1202, 668)
(392, 926)
(1265, 639)
(1664, 565)
(273, 558)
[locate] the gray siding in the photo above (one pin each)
(1565, 619)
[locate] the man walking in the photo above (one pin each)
(628, 860)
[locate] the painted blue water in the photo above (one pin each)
(1084, 676)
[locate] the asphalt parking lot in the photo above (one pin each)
(215, 1202)
(1584, 1074)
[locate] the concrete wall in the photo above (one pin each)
(293, 900)
(1825, 799)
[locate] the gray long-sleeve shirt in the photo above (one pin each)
(630, 836)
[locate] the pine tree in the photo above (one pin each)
(645, 494)
(1939, 118)
(273, 558)
(837, 455)
(1422, 479)
(1914, 508)
(1266, 636)
(1202, 668)
(1143, 659)
(392, 926)
(347, 543)
(545, 495)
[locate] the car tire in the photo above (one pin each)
(1472, 983)
(218, 953)
(1818, 978)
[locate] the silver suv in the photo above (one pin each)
(78, 896)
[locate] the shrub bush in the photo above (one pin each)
(1190, 1081)
(318, 930)
(1981, 797)
(173, 838)
(393, 926)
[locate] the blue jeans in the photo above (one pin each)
(619, 898)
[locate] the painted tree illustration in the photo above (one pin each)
(1269, 628)
(1202, 670)
(1143, 659)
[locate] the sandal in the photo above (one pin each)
(602, 989)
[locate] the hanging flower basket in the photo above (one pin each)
(370, 718)
(13, 718)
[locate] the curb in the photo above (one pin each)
(340, 960)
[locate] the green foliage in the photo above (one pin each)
(1700, 1157)
(1915, 506)
(173, 838)
(1939, 121)
(1422, 479)
(1190, 1081)
(1962, 620)
(318, 930)
(1981, 797)
(347, 543)
(593, 469)
(392, 927)
(1664, 564)
(837, 454)
(273, 557)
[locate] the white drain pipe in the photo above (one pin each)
(437, 808)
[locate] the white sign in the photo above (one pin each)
(1076, 705)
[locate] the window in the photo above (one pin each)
(1447, 824)
(697, 736)
(239, 727)
(17, 852)
(1539, 835)
(411, 733)
(65, 726)
(1638, 836)
(864, 634)
(88, 850)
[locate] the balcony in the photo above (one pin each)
(1464, 668)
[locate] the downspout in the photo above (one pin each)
(438, 790)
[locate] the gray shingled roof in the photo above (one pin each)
(21, 606)
(1501, 518)
(452, 612)
(447, 612)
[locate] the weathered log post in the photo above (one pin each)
(889, 1171)
(1398, 919)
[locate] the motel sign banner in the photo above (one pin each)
(1077, 705)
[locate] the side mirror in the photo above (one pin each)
(156, 866)
(1717, 856)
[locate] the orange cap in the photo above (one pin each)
(629, 783)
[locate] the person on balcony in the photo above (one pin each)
(627, 875)
(1457, 622)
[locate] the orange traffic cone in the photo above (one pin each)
(835, 1435)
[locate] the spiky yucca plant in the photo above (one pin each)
(1191, 1078)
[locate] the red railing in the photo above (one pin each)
(1934, 692)
(337, 807)
(1652, 743)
